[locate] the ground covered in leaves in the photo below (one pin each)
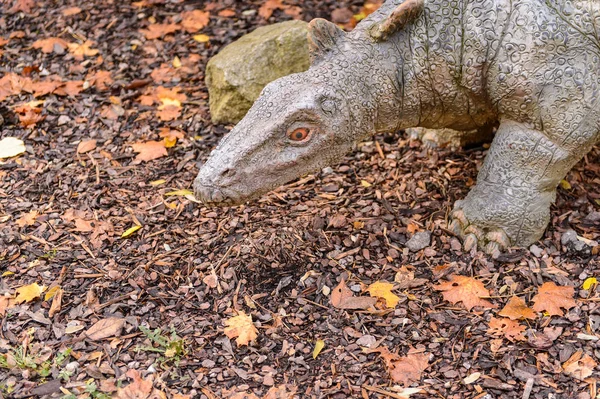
(116, 283)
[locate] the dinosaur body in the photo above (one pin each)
(533, 66)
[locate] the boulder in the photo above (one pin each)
(236, 76)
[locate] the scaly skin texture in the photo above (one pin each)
(531, 65)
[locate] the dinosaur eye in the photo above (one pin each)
(299, 134)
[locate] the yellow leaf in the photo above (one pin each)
(7, 274)
(51, 292)
(158, 182)
(241, 328)
(365, 183)
(359, 225)
(383, 289)
(565, 185)
(11, 147)
(170, 142)
(169, 102)
(176, 62)
(29, 292)
(319, 345)
(130, 231)
(182, 193)
(201, 38)
(589, 283)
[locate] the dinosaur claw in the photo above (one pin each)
(492, 248)
(470, 242)
(456, 227)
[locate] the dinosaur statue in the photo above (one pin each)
(533, 66)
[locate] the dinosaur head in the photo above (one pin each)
(299, 124)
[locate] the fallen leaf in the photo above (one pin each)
(579, 366)
(70, 88)
(193, 21)
(227, 13)
(343, 298)
(6, 303)
(138, 389)
(80, 51)
(383, 289)
(11, 147)
(28, 219)
(267, 8)
(516, 309)
(22, 5)
(71, 11)
(587, 284)
(551, 298)
(51, 44)
(281, 392)
(86, 146)
(466, 290)
(45, 87)
(109, 327)
(407, 369)
(56, 303)
(181, 193)
(156, 31)
(29, 292)
(319, 345)
(510, 329)
(101, 80)
(149, 150)
(168, 113)
(51, 293)
(241, 328)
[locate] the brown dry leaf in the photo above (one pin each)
(551, 298)
(6, 303)
(138, 389)
(83, 226)
(168, 113)
(80, 51)
(22, 5)
(29, 292)
(29, 114)
(343, 298)
(56, 303)
(149, 150)
(241, 328)
(227, 13)
(281, 392)
(109, 327)
(71, 11)
(52, 44)
(70, 88)
(466, 290)
(407, 369)
(266, 10)
(243, 395)
(383, 289)
(510, 329)
(170, 136)
(164, 73)
(579, 366)
(100, 79)
(27, 219)
(156, 31)
(86, 146)
(44, 87)
(193, 21)
(112, 112)
(517, 309)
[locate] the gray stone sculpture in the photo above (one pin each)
(532, 65)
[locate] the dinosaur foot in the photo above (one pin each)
(492, 241)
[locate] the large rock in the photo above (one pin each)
(236, 76)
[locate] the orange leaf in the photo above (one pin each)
(343, 298)
(241, 328)
(70, 88)
(100, 79)
(155, 31)
(551, 298)
(44, 87)
(516, 309)
(138, 389)
(466, 290)
(22, 5)
(52, 44)
(193, 21)
(510, 329)
(149, 150)
(168, 113)
(579, 366)
(71, 11)
(86, 146)
(82, 50)
(406, 369)
(27, 219)
(266, 10)
(227, 13)
(29, 292)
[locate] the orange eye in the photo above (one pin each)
(299, 134)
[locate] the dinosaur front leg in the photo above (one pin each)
(510, 204)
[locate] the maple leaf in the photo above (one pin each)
(510, 329)
(170, 136)
(551, 298)
(112, 112)
(579, 365)
(29, 114)
(149, 150)
(516, 309)
(170, 96)
(193, 21)
(407, 369)
(44, 87)
(80, 51)
(164, 73)
(12, 84)
(241, 328)
(29, 292)
(383, 289)
(156, 31)
(100, 79)
(52, 44)
(70, 88)
(168, 112)
(266, 10)
(466, 290)
(343, 298)
(138, 389)
(27, 219)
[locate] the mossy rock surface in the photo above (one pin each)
(236, 76)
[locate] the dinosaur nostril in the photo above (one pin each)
(227, 173)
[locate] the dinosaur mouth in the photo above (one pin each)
(215, 196)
